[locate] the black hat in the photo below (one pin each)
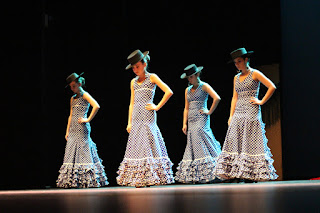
(239, 52)
(136, 56)
(190, 70)
(74, 76)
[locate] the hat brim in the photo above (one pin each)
(184, 75)
(144, 55)
(247, 54)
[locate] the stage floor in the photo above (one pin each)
(275, 196)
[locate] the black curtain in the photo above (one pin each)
(49, 39)
(300, 82)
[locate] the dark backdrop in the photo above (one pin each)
(49, 39)
(300, 89)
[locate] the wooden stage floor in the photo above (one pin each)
(275, 196)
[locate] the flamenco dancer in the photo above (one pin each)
(82, 167)
(245, 155)
(202, 148)
(146, 161)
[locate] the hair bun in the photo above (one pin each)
(82, 80)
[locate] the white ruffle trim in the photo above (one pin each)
(145, 172)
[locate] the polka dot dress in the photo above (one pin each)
(146, 161)
(82, 167)
(202, 148)
(245, 153)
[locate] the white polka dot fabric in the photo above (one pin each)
(202, 148)
(245, 153)
(146, 161)
(82, 167)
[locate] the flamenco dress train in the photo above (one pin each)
(202, 148)
(146, 161)
(82, 167)
(245, 154)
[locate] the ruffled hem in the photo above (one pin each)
(82, 176)
(242, 166)
(145, 172)
(198, 170)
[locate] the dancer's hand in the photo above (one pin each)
(184, 129)
(151, 106)
(83, 120)
(204, 111)
(255, 101)
(129, 128)
(66, 136)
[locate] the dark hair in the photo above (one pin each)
(146, 60)
(244, 58)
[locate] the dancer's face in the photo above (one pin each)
(74, 86)
(193, 79)
(240, 63)
(139, 68)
